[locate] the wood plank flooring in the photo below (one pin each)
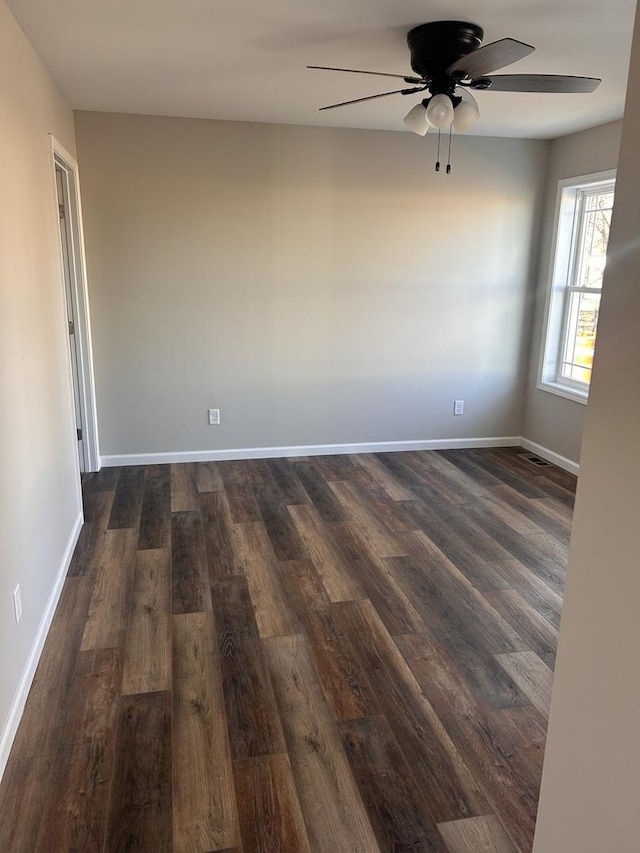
(344, 654)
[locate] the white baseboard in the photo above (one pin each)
(551, 456)
(305, 450)
(20, 698)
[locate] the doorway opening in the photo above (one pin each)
(73, 268)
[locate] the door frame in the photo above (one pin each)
(80, 297)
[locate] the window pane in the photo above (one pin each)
(594, 240)
(580, 336)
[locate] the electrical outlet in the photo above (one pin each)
(17, 603)
(214, 417)
(458, 407)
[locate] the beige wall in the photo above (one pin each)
(550, 420)
(590, 799)
(39, 498)
(319, 286)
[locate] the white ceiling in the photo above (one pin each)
(245, 59)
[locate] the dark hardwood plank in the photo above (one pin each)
(108, 615)
(127, 501)
(408, 475)
(489, 683)
(140, 804)
(184, 487)
(390, 515)
(232, 607)
(93, 702)
(555, 508)
(76, 818)
(398, 813)
(336, 576)
(541, 513)
(104, 480)
(284, 476)
(189, 572)
(272, 612)
(391, 485)
(209, 477)
(204, 805)
(155, 519)
(532, 676)
(45, 711)
(506, 473)
(147, 661)
(252, 716)
(562, 495)
(552, 547)
(438, 768)
(271, 820)
(370, 523)
(218, 534)
(461, 541)
(324, 500)
(285, 541)
(455, 612)
(344, 683)
(502, 748)
(242, 503)
(23, 796)
(539, 595)
(521, 548)
(335, 467)
(256, 471)
(534, 629)
(378, 582)
(97, 510)
(452, 483)
(517, 516)
(333, 811)
(464, 461)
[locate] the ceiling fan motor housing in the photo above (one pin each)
(436, 46)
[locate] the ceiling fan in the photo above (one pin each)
(449, 63)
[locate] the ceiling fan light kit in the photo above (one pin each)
(416, 120)
(465, 116)
(449, 61)
(440, 112)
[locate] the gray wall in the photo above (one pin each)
(39, 480)
(591, 781)
(552, 421)
(319, 286)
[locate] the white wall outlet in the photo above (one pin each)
(214, 417)
(17, 603)
(458, 407)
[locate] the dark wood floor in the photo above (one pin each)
(340, 654)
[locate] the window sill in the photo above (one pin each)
(564, 391)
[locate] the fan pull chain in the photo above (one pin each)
(449, 154)
(438, 155)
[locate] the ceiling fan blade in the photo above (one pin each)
(373, 97)
(489, 58)
(536, 83)
(376, 73)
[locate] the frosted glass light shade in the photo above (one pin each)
(416, 120)
(465, 115)
(440, 111)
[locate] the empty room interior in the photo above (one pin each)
(319, 442)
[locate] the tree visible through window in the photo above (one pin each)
(584, 220)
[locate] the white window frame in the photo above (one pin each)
(560, 284)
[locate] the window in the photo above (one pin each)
(583, 219)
